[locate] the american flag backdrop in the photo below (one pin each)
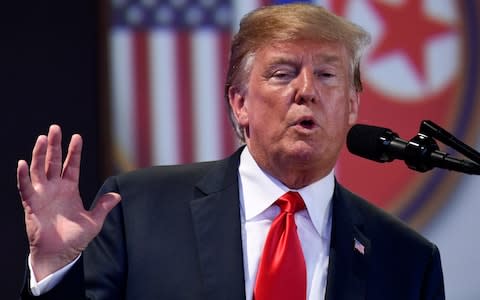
(168, 66)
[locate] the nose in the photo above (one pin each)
(305, 87)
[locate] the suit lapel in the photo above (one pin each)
(349, 251)
(216, 218)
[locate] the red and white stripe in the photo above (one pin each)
(167, 103)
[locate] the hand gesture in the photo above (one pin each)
(58, 227)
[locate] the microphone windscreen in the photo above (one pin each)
(365, 141)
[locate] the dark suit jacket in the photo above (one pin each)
(177, 235)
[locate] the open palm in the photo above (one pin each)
(58, 227)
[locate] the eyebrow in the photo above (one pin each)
(325, 58)
(282, 60)
(293, 60)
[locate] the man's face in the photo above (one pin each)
(298, 105)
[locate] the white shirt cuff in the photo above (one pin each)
(49, 282)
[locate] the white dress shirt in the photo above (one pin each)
(258, 192)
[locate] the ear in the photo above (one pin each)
(239, 106)
(353, 107)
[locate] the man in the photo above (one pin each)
(208, 230)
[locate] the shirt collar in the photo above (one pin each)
(259, 190)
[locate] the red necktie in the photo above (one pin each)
(282, 272)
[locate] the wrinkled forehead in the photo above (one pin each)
(322, 51)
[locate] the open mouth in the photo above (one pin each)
(309, 124)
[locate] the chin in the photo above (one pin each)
(304, 151)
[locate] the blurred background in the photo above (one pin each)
(142, 82)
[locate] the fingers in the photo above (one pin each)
(37, 166)
(71, 167)
(103, 206)
(53, 159)
(47, 158)
(24, 184)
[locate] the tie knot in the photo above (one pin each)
(290, 202)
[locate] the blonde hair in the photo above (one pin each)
(289, 22)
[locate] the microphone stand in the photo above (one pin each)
(429, 130)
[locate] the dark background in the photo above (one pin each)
(51, 63)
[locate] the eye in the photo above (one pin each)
(282, 74)
(325, 74)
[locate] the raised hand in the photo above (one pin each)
(58, 227)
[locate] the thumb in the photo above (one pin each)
(104, 205)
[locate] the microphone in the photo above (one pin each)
(421, 153)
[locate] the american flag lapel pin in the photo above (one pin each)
(358, 246)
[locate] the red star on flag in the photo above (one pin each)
(408, 29)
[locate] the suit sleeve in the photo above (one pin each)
(70, 287)
(433, 286)
(105, 258)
